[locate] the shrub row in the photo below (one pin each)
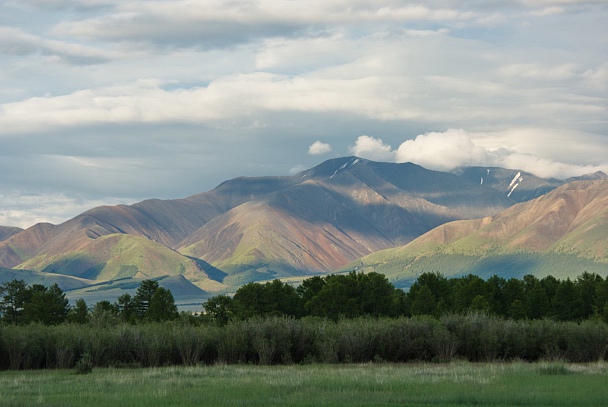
(278, 340)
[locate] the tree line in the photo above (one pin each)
(357, 294)
(333, 297)
(21, 304)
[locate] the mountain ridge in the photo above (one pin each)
(570, 221)
(259, 228)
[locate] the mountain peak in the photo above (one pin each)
(331, 168)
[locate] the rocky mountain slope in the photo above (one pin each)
(256, 228)
(562, 233)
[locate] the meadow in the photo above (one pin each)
(457, 383)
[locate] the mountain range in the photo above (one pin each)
(561, 233)
(343, 213)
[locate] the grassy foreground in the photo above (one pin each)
(458, 383)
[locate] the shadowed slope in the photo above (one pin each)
(118, 256)
(569, 224)
(165, 221)
(8, 231)
(520, 186)
(337, 212)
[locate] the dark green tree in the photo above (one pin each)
(465, 290)
(495, 295)
(480, 304)
(143, 296)
(283, 299)
(377, 295)
(423, 302)
(250, 300)
(517, 310)
(309, 288)
(587, 285)
(104, 314)
(127, 308)
(79, 314)
(537, 302)
(514, 290)
(13, 295)
(566, 302)
(339, 297)
(162, 306)
(46, 305)
(440, 288)
(550, 284)
(219, 309)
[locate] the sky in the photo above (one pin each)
(107, 102)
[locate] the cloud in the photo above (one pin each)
(372, 149)
(14, 41)
(520, 149)
(442, 151)
(219, 23)
(318, 148)
(146, 101)
(540, 73)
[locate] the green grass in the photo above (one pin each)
(455, 384)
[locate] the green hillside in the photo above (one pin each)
(563, 234)
(118, 256)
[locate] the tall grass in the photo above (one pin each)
(455, 384)
(279, 340)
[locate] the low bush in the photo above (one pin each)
(285, 340)
(84, 364)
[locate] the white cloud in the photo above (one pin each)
(146, 101)
(217, 22)
(14, 41)
(372, 149)
(318, 148)
(522, 149)
(427, 33)
(442, 151)
(539, 72)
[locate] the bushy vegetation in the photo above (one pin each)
(284, 340)
(334, 319)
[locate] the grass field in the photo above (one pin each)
(455, 384)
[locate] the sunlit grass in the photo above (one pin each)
(458, 383)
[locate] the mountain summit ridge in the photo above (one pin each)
(258, 228)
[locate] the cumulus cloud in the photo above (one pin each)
(372, 149)
(318, 148)
(442, 151)
(454, 148)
